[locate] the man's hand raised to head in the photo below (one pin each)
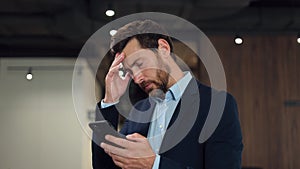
(115, 86)
(136, 154)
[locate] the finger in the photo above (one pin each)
(125, 162)
(118, 59)
(128, 162)
(113, 71)
(136, 137)
(107, 152)
(116, 56)
(118, 163)
(115, 67)
(127, 77)
(114, 150)
(116, 160)
(118, 141)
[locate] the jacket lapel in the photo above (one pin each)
(183, 118)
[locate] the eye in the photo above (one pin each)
(139, 64)
(128, 71)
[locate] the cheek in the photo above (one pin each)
(150, 73)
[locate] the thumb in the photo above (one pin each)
(135, 137)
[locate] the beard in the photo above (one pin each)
(158, 87)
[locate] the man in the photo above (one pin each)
(173, 109)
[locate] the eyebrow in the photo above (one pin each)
(134, 62)
(127, 69)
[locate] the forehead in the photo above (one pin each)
(131, 47)
(133, 52)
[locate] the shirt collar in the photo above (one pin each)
(175, 92)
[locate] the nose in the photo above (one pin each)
(137, 77)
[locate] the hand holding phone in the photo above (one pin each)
(103, 128)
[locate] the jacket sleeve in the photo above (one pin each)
(166, 163)
(100, 160)
(223, 150)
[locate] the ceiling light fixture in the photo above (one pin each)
(238, 40)
(298, 38)
(110, 12)
(29, 75)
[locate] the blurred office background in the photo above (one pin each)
(38, 123)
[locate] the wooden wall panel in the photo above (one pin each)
(263, 74)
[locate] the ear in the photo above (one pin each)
(164, 47)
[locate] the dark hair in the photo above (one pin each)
(147, 32)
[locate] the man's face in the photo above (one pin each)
(146, 68)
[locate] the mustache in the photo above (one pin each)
(161, 85)
(145, 83)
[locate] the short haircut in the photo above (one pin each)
(147, 32)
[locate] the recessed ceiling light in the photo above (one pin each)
(238, 40)
(110, 12)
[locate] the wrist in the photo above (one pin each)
(110, 100)
(105, 105)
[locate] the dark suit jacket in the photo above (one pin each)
(222, 150)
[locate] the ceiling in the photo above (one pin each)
(56, 28)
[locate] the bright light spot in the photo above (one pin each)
(298, 40)
(110, 12)
(112, 32)
(29, 76)
(238, 40)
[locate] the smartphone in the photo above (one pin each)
(102, 128)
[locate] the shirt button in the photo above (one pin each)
(160, 126)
